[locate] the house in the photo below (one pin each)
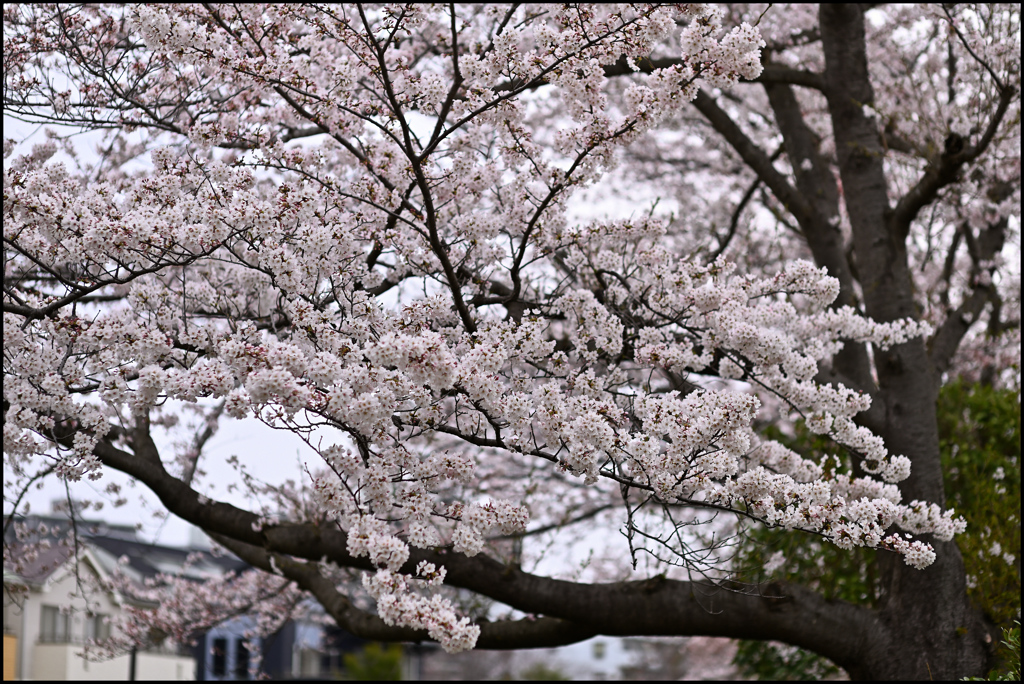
(47, 621)
(49, 615)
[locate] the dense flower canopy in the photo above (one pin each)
(358, 224)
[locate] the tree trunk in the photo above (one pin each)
(933, 632)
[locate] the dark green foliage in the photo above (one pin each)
(374, 662)
(979, 430)
(541, 672)
(771, 660)
(1010, 671)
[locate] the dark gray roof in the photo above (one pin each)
(46, 542)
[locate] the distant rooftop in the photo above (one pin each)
(35, 546)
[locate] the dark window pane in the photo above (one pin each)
(241, 660)
(96, 627)
(54, 627)
(220, 657)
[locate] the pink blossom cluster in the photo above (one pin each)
(175, 606)
(397, 604)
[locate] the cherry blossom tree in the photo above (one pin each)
(362, 224)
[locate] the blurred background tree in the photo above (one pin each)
(979, 428)
(374, 662)
(541, 672)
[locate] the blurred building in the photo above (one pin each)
(47, 564)
(47, 619)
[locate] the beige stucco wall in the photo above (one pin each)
(45, 661)
(156, 666)
(58, 661)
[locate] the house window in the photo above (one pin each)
(97, 626)
(241, 660)
(55, 627)
(220, 657)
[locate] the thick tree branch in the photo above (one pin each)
(754, 157)
(772, 73)
(947, 338)
(946, 169)
(780, 74)
(820, 227)
(906, 376)
(813, 216)
(651, 607)
(503, 635)
(305, 575)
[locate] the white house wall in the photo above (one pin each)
(57, 661)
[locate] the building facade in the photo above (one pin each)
(48, 620)
(49, 615)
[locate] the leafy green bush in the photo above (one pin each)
(374, 662)
(979, 428)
